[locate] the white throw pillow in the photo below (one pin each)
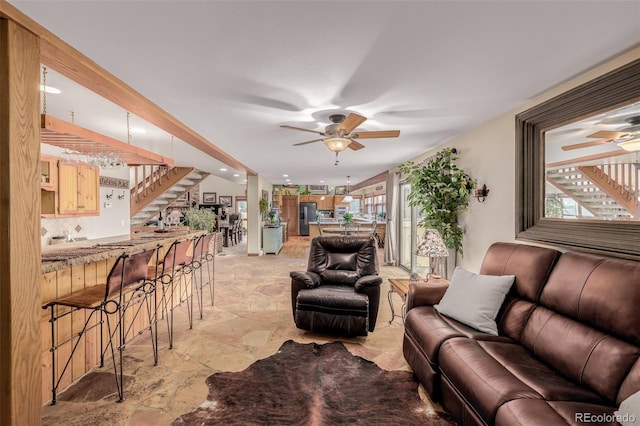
(475, 299)
(629, 412)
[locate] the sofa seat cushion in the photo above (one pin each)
(537, 375)
(552, 413)
(479, 379)
(428, 328)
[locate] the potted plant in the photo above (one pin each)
(200, 219)
(442, 191)
(264, 207)
(348, 219)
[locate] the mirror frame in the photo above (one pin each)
(609, 91)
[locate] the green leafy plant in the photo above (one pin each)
(264, 206)
(303, 190)
(442, 191)
(200, 219)
(348, 217)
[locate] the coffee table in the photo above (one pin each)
(400, 286)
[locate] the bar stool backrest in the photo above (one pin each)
(176, 255)
(204, 246)
(128, 269)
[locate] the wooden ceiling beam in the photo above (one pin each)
(69, 62)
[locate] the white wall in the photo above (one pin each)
(222, 187)
(255, 186)
(487, 153)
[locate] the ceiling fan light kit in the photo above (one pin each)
(340, 134)
(337, 144)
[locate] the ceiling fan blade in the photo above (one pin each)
(377, 134)
(607, 134)
(285, 126)
(585, 144)
(351, 122)
(307, 142)
(355, 145)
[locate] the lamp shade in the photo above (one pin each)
(431, 245)
(337, 144)
(347, 199)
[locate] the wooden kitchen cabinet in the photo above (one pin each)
(78, 190)
(88, 190)
(48, 173)
(67, 188)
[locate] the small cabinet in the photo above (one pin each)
(48, 173)
(78, 191)
(272, 239)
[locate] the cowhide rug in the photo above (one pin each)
(310, 384)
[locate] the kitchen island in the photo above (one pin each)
(358, 227)
(69, 267)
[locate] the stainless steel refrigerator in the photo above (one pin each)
(307, 214)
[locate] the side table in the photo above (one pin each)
(400, 286)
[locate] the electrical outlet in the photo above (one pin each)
(107, 205)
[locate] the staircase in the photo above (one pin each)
(608, 191)
(157, 187)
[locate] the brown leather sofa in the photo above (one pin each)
(568, 346)
(340, 290)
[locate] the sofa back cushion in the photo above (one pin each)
(530, 264)
(580, 352)
(601, 292)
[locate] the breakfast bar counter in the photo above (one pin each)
(63, 256)
(70, 267)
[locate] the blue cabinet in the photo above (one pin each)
(272, 239)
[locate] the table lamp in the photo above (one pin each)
(432, 246)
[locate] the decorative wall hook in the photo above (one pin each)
(481, 193)
(121, 197)
(110, 196)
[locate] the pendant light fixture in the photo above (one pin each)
(348, 198)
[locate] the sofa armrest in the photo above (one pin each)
(368, 281)
(425, 294)
(306, 278)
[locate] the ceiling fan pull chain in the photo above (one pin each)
(128, 130)
(336, 163)
(44, 90)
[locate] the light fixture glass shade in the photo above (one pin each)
(630, 145)
(347, 199)
(337, 144)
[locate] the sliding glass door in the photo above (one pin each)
(409, 234)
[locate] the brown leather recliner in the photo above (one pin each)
(340, 290)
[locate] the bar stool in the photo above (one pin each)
(199, 262)
(172, 270)
(126, 286)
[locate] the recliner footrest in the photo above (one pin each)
(333, 308)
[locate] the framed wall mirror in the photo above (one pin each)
(578, 167)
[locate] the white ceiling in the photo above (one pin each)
(234, 71)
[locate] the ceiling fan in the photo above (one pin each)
(605, 136)
(341, 134)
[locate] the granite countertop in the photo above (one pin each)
(334, 222)
(63, 256)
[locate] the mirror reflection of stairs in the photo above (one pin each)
(606, 192)
(161, 187)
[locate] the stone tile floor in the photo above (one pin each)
(250, 319)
